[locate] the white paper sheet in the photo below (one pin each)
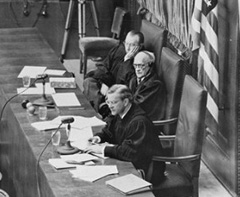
(79, 137)
(36, 90)
(78, 158)
(93, 173)
(31, 71)
(45, 125)
(81, 122)
(66, 99)
(54, 72)
(58, 163)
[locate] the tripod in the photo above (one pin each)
(81, 21)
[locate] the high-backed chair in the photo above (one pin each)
(173, 69)
(100, 46)
(154, 38)
(183, 172)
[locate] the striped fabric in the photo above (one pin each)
(205, 38)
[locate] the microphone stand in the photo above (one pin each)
(39, 158)
(43, 101)
(67, 149)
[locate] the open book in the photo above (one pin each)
(129, 184)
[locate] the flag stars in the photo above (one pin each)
(208, 2)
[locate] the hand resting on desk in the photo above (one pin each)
(97, 147)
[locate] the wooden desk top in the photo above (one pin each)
(21, 144)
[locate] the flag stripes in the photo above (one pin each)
(205, 38)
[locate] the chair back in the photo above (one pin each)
(118, 28)
(190, 127)
(173, 70)
(154, 38)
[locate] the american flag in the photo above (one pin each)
(205, 39)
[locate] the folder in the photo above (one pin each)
(129, 184)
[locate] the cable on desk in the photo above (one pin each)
(39, 157)
(4, 106)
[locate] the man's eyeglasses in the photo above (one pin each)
(130, 44)
(141, 66)
(111, 102)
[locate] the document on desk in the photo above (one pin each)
(81, 122)
(66, 99)
(54, 72)
(93, 173)
(78, 158)
(36, 90)
(59, 164)
(45, 125)
(31, 71)
(79, 138)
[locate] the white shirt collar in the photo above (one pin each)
(126, 111)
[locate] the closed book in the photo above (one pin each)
(129, 184)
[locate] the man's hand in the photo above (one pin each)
(96, 148)
(94, 140)
(104, 89)
(131, 53)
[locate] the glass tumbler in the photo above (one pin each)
(42, 112)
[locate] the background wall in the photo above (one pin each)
(52, 26)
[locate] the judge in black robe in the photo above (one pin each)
(148, 90)
(130, 134)
(116, 68)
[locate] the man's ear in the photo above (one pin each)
(140, 46)
(126, 101)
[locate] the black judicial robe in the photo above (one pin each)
(150, 94)
(113, 70)
(134, 140)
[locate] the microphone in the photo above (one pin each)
(43, 101)
(26, 11)
(67, 120)
(44, 9)
(39, 158)
(42, 76)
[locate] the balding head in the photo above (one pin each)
(144, 57)
(142, 62)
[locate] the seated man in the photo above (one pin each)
(148, 91)
(98, 81)
(129, 135)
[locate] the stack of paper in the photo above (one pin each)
(129, 184)
(78, 158)
(66, 99)
(93, 173)
(54, 72)
(31, 71)
(58, 163)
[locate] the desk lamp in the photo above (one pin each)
(43, 101)
(67, 149)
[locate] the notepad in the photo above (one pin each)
(66, 99)
(31, 71)
(129, 184)
(93, 173)
(78, 158)
(58, 163)
(54, 72)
